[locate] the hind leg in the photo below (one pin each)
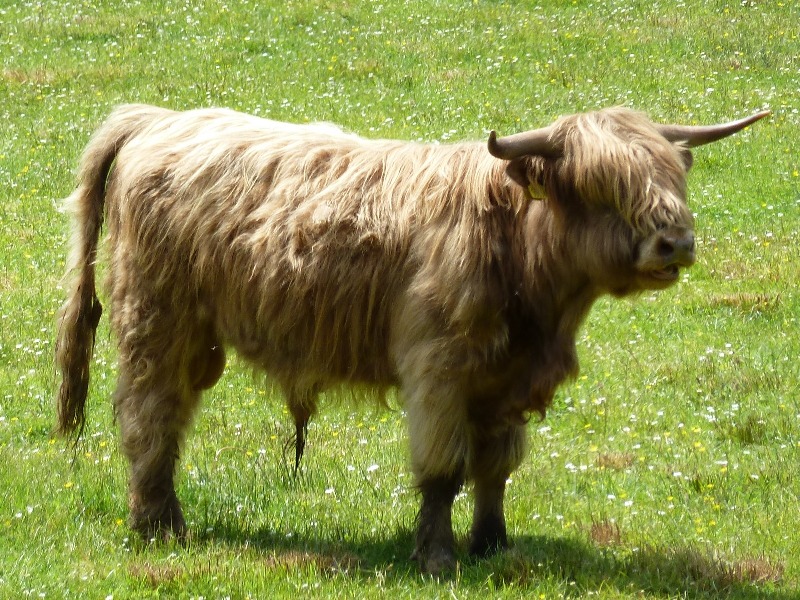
(152, 421)
(155, 399)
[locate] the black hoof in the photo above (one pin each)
(435, 562)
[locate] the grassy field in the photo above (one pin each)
(668, 469)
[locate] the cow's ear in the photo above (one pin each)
(520, 171)
(517, 171)
(688, 159)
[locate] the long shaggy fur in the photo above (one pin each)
(324, 258)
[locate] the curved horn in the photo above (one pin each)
(697, 135)
(528, 143)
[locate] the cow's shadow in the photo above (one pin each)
(582, 566)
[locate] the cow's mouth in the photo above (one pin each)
(669, 273)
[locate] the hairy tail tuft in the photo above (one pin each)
(80, 314)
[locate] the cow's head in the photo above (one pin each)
(616, 183)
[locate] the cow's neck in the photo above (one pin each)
(556, 291)
(553, 299)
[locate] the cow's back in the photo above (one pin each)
(300, 243)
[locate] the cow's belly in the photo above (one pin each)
(295, 339)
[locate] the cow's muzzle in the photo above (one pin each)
(664, 254)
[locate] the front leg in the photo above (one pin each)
(488, 533)
(435, 544)
(438, 439)
(494, 457)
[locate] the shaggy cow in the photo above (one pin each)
(325, 258)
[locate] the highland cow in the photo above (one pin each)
(457, 273)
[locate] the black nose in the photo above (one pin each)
(676, 246)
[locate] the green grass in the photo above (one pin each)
(669, 469)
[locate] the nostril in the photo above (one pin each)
(665, 248)
(675, 243)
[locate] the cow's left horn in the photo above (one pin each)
(697, 135)
(528, 143)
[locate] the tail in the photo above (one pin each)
(80, 314)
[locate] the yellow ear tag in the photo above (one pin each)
(536, 191)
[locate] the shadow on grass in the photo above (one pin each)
(577, 566)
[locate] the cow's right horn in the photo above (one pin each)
(529, 143)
